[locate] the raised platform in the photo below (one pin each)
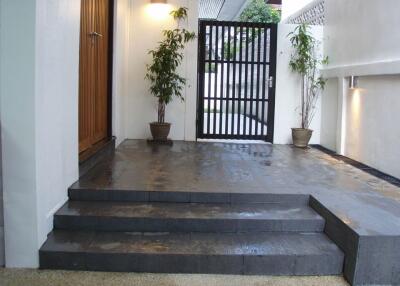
(362, 212)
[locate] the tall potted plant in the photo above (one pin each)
(165, 82)
(306, 61)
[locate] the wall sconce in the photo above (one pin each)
(353, 82)
(159, 9)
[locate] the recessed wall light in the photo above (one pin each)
(158, 1)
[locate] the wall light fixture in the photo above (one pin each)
(159, 10)
(353, 82)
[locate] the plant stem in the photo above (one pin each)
(161, 111)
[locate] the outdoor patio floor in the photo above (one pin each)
(362, 211)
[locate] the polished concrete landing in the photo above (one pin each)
(362, 212)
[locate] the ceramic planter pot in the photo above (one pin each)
(160, 131)
(301, 137)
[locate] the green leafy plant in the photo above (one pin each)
(165, 81)
(259, 11)
(306, 61)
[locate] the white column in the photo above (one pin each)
(191, 72)
(39, 57)
(17, 83)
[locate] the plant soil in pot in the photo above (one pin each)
(301, 137)
(160, 131)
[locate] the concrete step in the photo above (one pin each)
(186, 217)
(245, 253)
(87, 194)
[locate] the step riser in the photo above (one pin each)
(186, 197)
(194, 264)
(185, 225)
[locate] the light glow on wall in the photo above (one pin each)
(356, 121)
(355, 104)
(158, 11)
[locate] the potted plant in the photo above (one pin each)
(306, 61)
(165, 82)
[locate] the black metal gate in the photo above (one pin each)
(236, 89)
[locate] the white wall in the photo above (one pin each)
(329, 113)
(362, 31)
(18, 119)
(121, 80)
(140, 107)
(367, 128)
(39, 113)
(292, 6)
(2, 258)
(288, 91)
(372, 123)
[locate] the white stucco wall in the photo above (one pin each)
(121, 80)
(140, 107)
(39, 115)
(352, 37)
(372, 117)
(288, 91)
(329, 114)
(2, 258)
(370, 49)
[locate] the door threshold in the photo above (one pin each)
(90, 157)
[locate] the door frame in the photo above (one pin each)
(110, 66)
(87, 154)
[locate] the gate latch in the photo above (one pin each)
(271, 82)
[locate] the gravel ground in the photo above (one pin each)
(13, 277)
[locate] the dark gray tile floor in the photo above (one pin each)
(362, 212)
(235, 253)
(187, 217)
(367, 204)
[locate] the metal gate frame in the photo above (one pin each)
(261, 86)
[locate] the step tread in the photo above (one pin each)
(244, 244)
(189, 211)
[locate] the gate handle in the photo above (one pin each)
(271, 82)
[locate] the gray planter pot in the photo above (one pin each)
(160, 131)
(301, 137)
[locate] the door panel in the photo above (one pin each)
(101, 99)
(86, 75)
(94, 75)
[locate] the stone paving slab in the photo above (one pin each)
(187, 217)
(215, 253)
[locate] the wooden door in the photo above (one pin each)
(94, 73)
